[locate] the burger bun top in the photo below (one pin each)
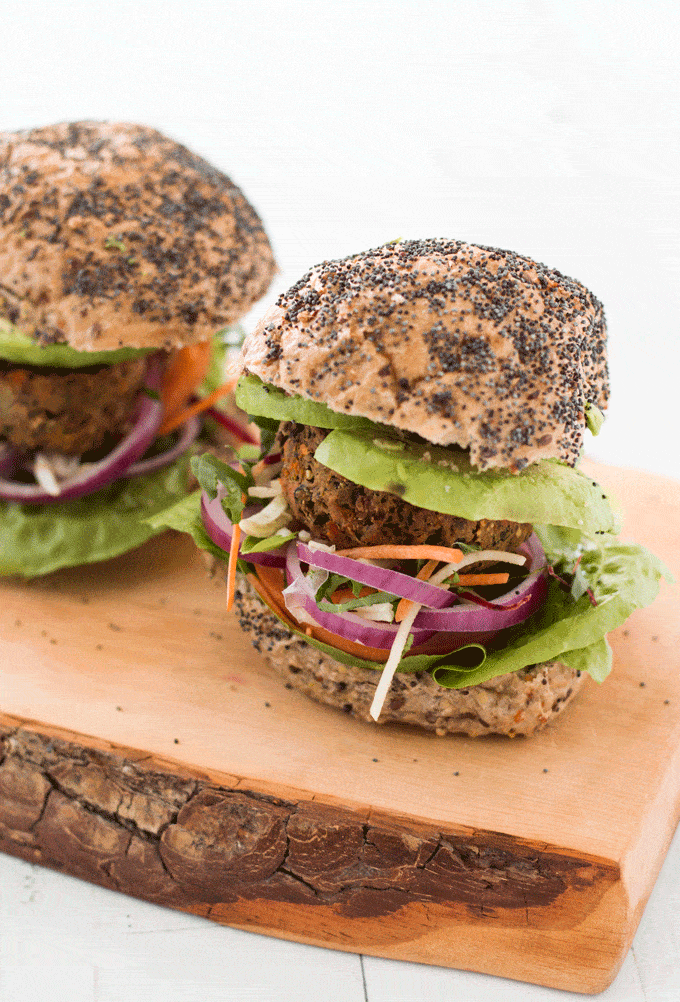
(460, 344)
(113, 235)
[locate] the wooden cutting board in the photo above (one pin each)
(146, 747)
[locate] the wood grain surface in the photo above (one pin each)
(146, 748)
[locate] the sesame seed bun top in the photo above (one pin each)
(464, 345)
(113, 235)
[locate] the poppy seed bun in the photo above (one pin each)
(464, 345)
(113, 235)
(522, 702)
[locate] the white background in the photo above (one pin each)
(551, 128)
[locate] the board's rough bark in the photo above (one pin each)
(138, 827)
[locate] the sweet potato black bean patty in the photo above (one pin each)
(67, 410)
(335, 510)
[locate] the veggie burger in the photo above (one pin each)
(415, 541)
(121, 254)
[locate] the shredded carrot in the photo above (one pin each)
(169, 424)
(262, 465)
(405, 604)
(273, 579)
(483, 579)
(394, 552)
(345, 594)
(265, 585)
(16, 377)
(231, 568)
(184, 373)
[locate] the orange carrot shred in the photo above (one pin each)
(425, 572)
(388, 551)
(483, 579)
(185, 371)
(175, 420)
(345, 594)
(231, 568)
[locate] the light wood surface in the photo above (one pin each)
(153, 716)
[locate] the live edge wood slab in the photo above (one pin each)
(144, 746)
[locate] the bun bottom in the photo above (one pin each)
(520, 703)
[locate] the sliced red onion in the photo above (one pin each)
(92, 477)
(190, 431)
(9, 459)
(509, 610)
(234, 428)
(451, 627)
(380, 578)
(475, 618)
(220, 528)
(300, 595)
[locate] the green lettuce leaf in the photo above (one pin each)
(21, 349)
(257, 544)
(376, 598)
(37, 539)
(185, 516)
(444, 480)
(268, 429)
(211, 471)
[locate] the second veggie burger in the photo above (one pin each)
(121, 255)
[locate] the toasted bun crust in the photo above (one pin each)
(113, 235)
(519, 703)
(463, 345)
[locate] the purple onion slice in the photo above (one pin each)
(220, 528)
(380, 578)
(300, 595)
(190, 431)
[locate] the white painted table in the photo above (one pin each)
(550, 128)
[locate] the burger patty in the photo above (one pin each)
(335, 510)
(70, 411)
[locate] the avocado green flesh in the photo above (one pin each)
(443, 480)
(436, 478)
(18, 348)
(255, 397)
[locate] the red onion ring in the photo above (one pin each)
(452, 627)
(229, 424)
(220, 528)
(190, 430)
(475, 618)
(299, 594)
(9, 457)
(93, 476)
(510, 609)
(380, 578)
